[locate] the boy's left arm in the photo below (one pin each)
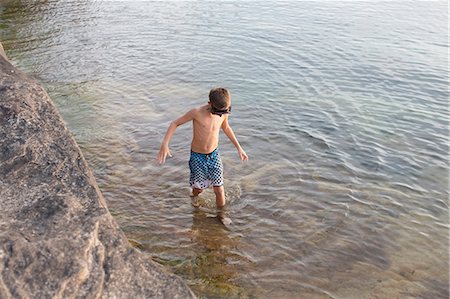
(230, 134)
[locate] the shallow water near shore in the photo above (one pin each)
(341, 106)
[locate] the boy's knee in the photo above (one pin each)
(218, 190)
(196, 191)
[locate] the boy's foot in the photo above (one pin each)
(201, 202)
(222, 215)
(196, 201)
(226, 221)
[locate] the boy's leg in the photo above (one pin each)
(196, 191)
(221, 210)
(215, 168)
(220, 196)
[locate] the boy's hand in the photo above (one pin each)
(242, 155)
(163, 153)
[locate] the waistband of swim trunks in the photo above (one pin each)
(205, 154)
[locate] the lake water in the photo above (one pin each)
(342, 108)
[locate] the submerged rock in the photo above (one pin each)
(57, 237)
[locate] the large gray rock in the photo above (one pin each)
(57, 237)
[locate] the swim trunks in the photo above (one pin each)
(206, 170)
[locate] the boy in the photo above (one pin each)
(205, 163)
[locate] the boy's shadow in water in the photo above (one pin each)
(215, 261)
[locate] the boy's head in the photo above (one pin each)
(220, 101)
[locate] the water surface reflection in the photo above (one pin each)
(342, 107)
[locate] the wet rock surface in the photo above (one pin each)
(2, 52)
(57, 237)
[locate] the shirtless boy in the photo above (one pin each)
(205, 163)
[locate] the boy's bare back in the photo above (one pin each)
(206, 127)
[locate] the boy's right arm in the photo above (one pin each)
(164, 150)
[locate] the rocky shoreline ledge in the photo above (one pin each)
(57, 237)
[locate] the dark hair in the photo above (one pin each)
(220, 98)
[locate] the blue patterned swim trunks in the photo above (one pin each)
(206, 170)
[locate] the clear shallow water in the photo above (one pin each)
(341, 106)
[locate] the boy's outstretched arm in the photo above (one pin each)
(230, 134)
(164, 150)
